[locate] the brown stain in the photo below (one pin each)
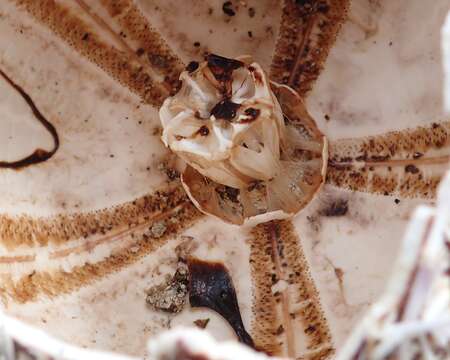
(51, 284)
(39, 155)
(339, 273)
(335, 208)
(266, 305)
(307, 32)
(120, 65)
(28, 231)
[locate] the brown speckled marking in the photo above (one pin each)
(408, 163)
(54, 283)
(120, 65)
(407, 143)
(347, 178)
(385, 184)
(28, 231)
(275, 254)
(266, 319)
(150, 43)
(307, 32)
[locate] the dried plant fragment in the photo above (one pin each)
(170, 296)
(39, 155)
(211, 286)
(253, 151)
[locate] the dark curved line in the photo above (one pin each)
(39, 155)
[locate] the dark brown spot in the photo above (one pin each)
(251, 12)
(210, 286)
(361, 157)
(222, 67)
(413, 169)
(252, 114)
(397, 201)
(379, 158)
(250, 34)
(225, 109)
(197, 44)
(192, 66)
(85, 37)
(203, 131)
(227, 8)
(280, 330)
(140, 52)
(232, 194)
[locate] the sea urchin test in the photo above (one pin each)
(252, 151)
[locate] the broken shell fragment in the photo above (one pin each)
(253, 152)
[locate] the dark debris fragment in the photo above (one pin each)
(225, 109)
(211, 286)
(192, 66)
(413, 169)
(201, 323)
(170, 296)
(227, 8)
